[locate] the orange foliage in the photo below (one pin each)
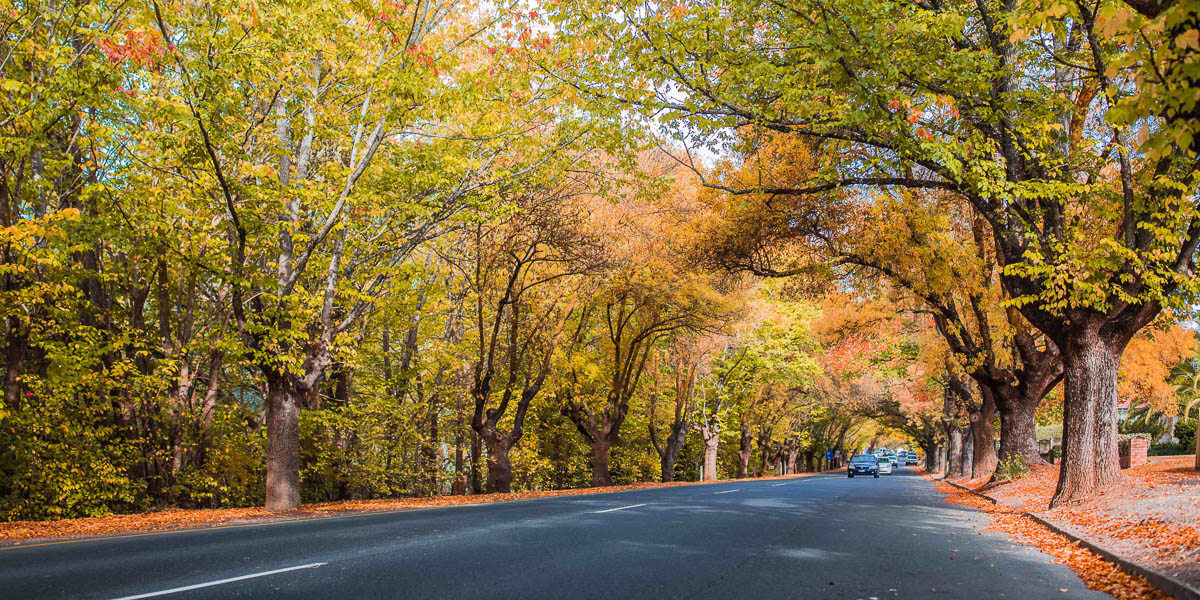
(1146, 367)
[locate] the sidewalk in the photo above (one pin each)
(1147, 521)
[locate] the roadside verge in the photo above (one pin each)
(1170, 587)
(17, 533)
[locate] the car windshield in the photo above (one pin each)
(863, 459)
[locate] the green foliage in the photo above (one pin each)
(1011, 469)
(1186, 433)
(1144, 422)
(1167, 449)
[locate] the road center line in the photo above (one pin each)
(607, 510)
(725, 492)
(218, 582)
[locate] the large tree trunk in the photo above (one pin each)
(789, 465)
(283, 445)
(670, 455)
(763, 447)
(600, 476)
(1089, 459)
(745, 450)
(965, 458)
(983, 444)
(1018, 427)
(476, 464)
(499, 473)
(954, 452)
(711, 439)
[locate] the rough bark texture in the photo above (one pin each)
(1089, 459)
(1018, 429)
(476, 464)
(600, 475)
(954, 452)
(983, 445)
(499, 467)
(712, 437)
(670, 451)
(283, 446)
(964, 458)
(789, 462)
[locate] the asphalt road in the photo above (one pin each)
(824, 536)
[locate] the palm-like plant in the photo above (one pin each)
(1187, 386)
(1187, 389)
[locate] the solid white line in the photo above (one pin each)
(219, 582)
(596, 512)
(725, 492)
(779, 484)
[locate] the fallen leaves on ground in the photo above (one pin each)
(1149, 516)
(1096, 572)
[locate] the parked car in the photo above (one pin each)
(863, 464)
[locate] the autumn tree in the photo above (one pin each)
(685, 355)
(526, 272)
(1094, 231)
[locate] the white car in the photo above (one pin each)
(885, 465)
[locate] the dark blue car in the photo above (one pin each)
(863, 464)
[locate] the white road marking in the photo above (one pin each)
(596, 512)
(218, 582)
(726, 492)
(779, 484)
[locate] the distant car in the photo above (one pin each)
(900, 459)
(886, 463)
(912, 457)
(863, 464)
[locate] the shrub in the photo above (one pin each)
(1166, 449)
(1186, 432)
(1011, 469)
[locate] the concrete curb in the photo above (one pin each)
(1170, 585)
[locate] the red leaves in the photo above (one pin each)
(142, 47)
(420, 56)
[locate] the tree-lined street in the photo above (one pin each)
(821, 536)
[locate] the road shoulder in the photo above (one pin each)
(1098, 564)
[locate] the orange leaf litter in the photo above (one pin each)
(1096, 572)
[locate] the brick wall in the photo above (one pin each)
(1134, 452)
